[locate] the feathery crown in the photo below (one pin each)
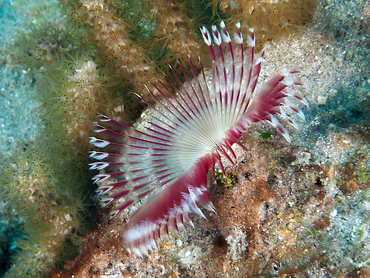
(187, 136)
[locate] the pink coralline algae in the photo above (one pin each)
(190, 132)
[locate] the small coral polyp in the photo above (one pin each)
(187, 136)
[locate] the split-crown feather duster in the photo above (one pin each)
(186, 137)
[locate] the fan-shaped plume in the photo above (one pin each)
(186, 137)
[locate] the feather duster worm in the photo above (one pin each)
(186, 137)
